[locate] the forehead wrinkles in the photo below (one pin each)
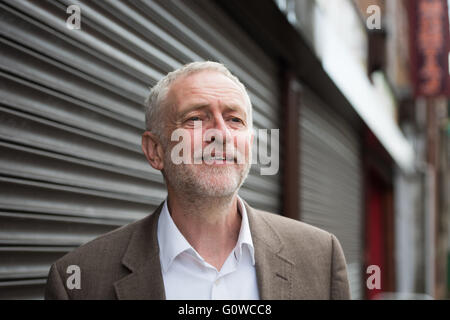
(206, 85)
(223, 95)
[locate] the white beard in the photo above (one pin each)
(203, 180)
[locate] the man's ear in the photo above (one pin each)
(153, 150)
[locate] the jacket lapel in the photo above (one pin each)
(142, 258)
(273, 271)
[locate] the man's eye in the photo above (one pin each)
(194, 119)
(236, 120)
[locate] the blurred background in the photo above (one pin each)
(358, 88)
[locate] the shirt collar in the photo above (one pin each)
(172, 242)
(245, 236)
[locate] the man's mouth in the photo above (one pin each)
(218, 159)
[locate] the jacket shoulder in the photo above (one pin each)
(104, 248)
(294, 231)
(315, 255)
(300, 241)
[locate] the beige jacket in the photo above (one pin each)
(293, 261)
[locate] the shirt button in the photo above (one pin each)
(217, 282)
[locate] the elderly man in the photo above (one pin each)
(203, 241)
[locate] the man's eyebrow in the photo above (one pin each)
(234, 107)
(194, 107)
(201, 106)
(238, 109)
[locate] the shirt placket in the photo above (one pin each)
(219, 289)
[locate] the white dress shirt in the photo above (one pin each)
(187, 275)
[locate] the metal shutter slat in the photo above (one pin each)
(71, 117)
(331, 180)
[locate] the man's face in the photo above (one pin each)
(216, 102)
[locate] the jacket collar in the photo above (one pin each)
(273, 270)
(145, 281)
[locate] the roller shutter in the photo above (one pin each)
(331, 180)
(71, 116)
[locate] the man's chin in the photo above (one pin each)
(217, 193)
(217, 186)
(207, 180)
(219, 181)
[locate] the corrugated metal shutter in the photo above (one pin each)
(331, 180)
(71, 117)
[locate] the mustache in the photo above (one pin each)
(217, 151)
(212, 153)
(225, 157)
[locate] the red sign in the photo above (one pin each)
(430, 46)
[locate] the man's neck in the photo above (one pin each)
(210, 225)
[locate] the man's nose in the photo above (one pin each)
(221, 130)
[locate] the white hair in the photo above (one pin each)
(155, 102)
